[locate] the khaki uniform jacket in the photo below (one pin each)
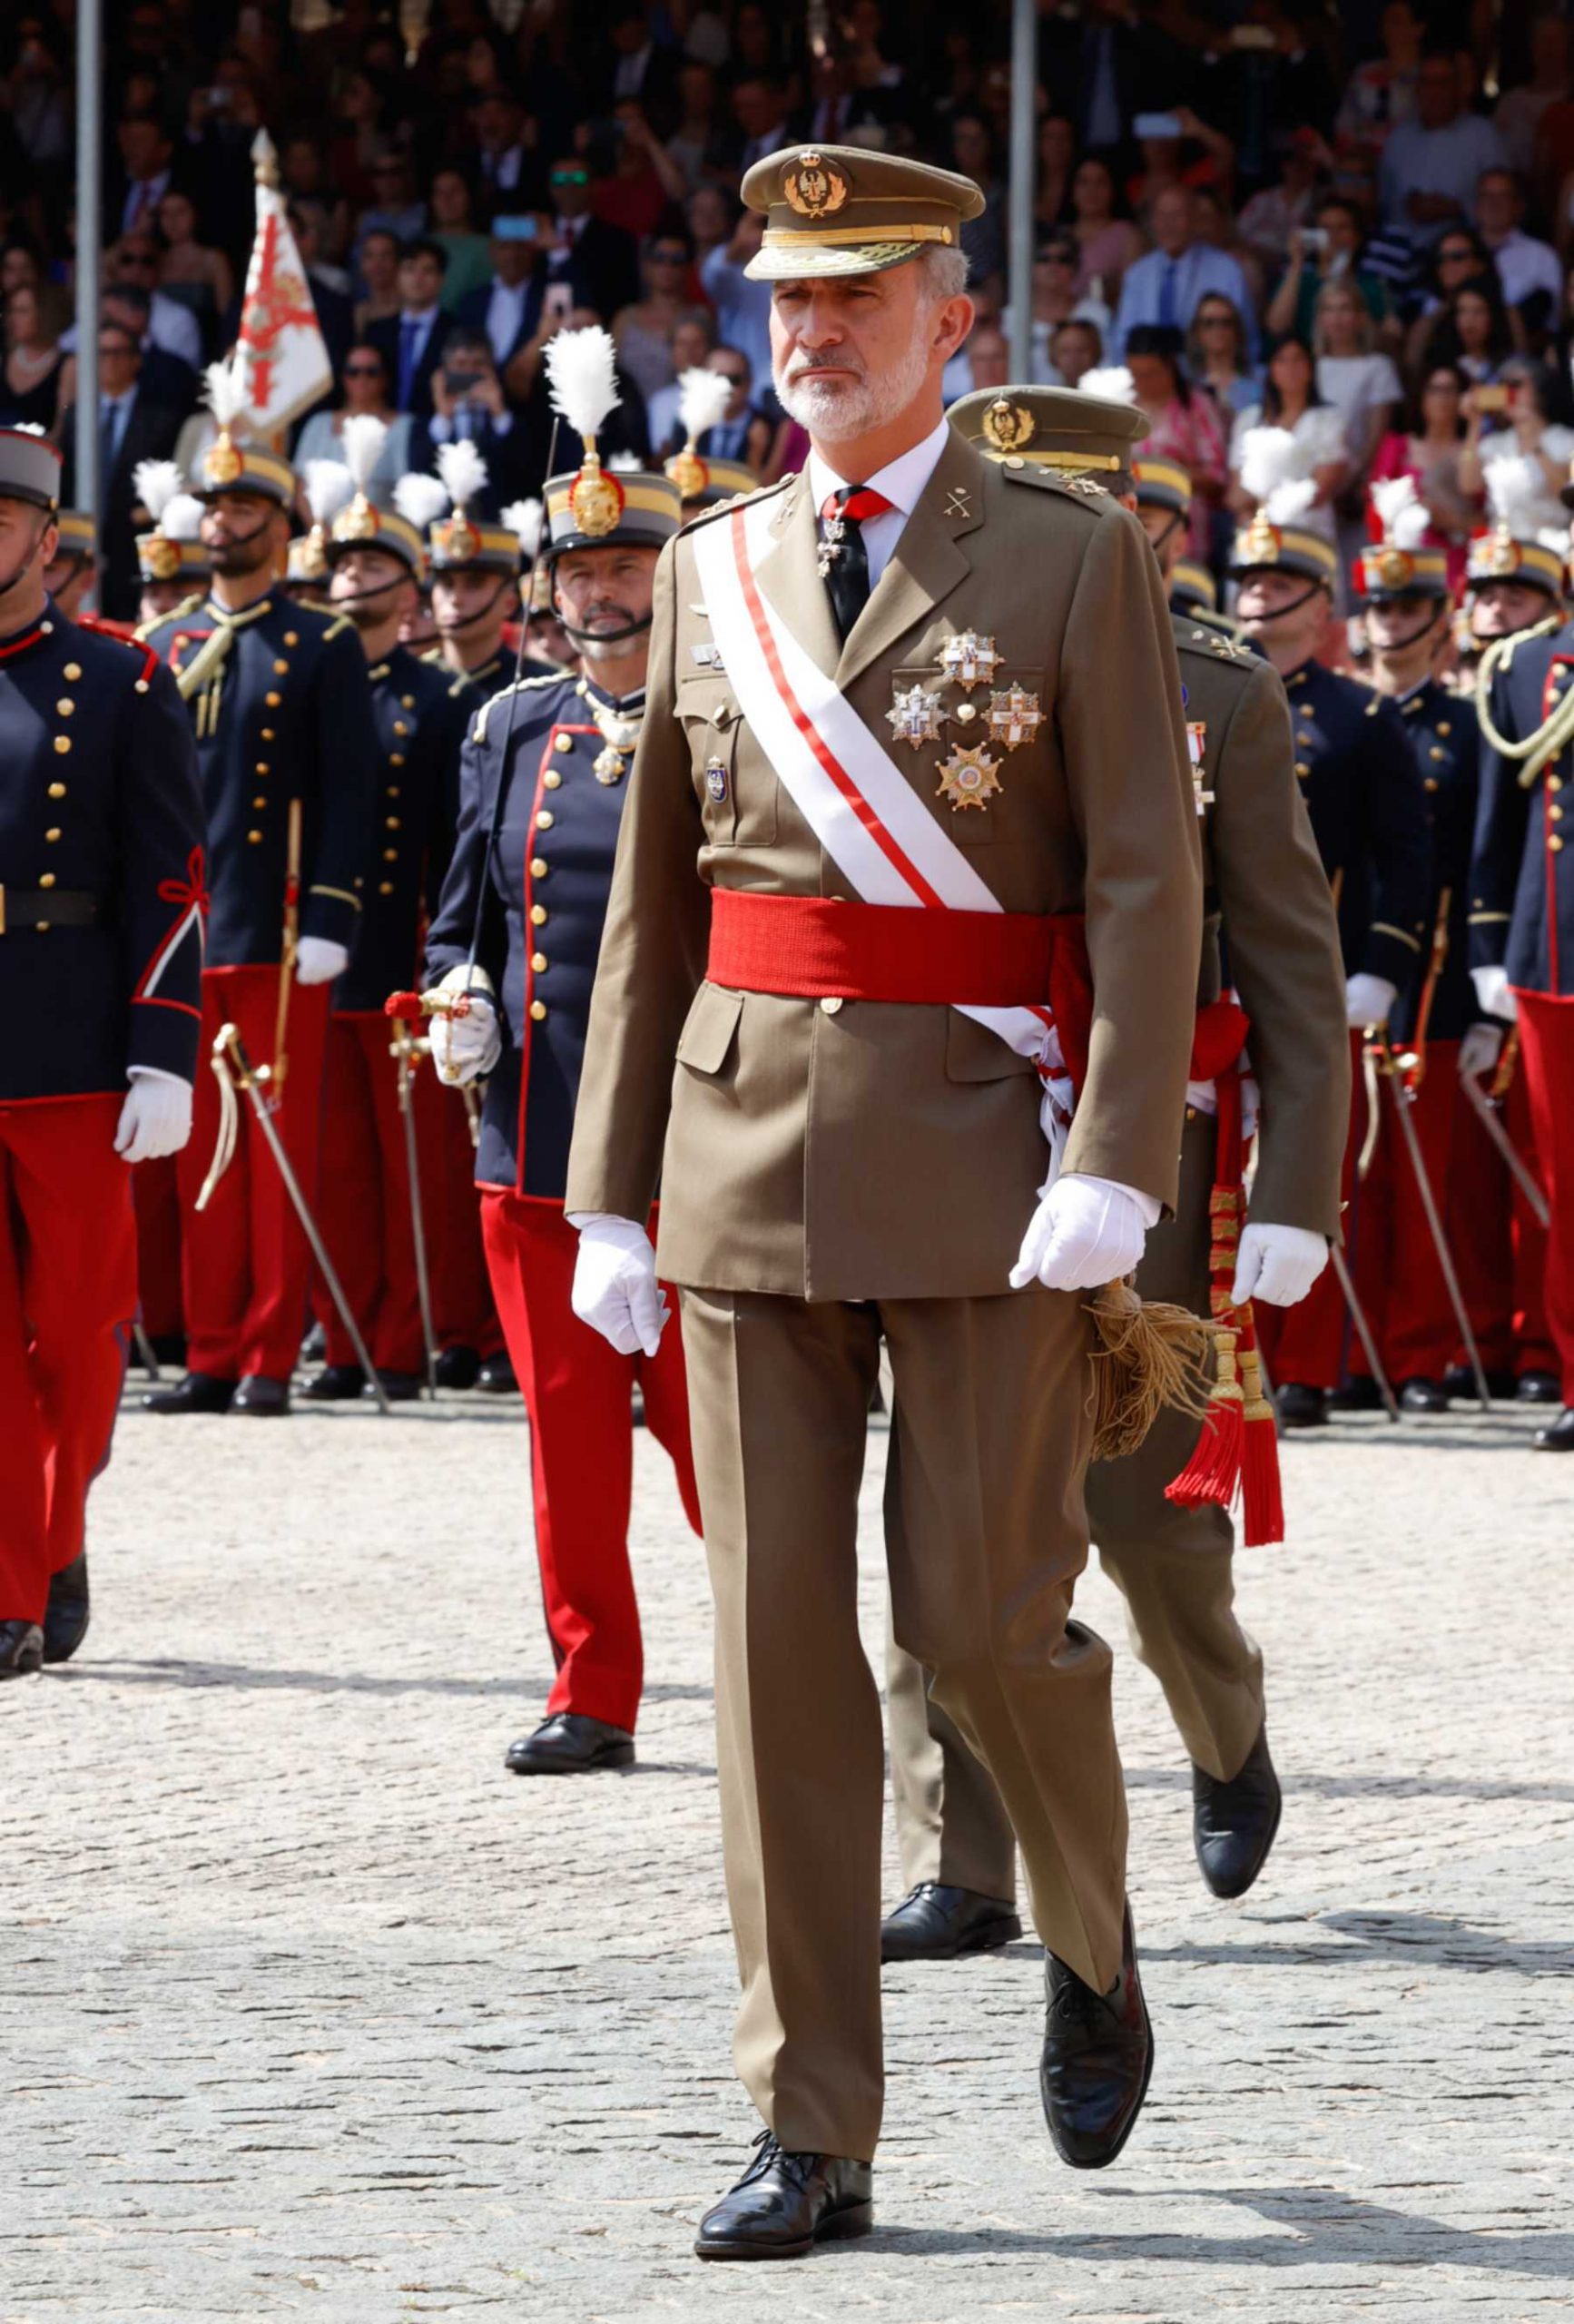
(884, 1150)
(1264, 877)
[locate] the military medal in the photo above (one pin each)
(829, 545)
(969, 660)
(915, 716)
(1015, 717)
(618, 733)
(1197, 737)
(968, 778)
(716, 779)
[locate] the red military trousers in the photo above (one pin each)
(1400, 1276)
(67, 1297)
(1500, 1247)
(1546, 1049)
(1307, 1343)
(576, 1392)
(363, 1204)
(245, 1262)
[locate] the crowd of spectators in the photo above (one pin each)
(1356, 223)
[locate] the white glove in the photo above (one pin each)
(1494, 993)
(156, 1119)
(318, 960)
(615, 1290)
(1278, 1264)
(1368, 999)
(1085, 1233)
(1479, 1049)
(465, 1049)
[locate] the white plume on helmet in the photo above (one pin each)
(626, 464)
(329, 485)
(524, 520)
(156, 484)
(420, 500)
(224, 393)
(582, 375)
(182, 516)
(1113, 381)
(1274, 471)
(362, 439)
(1515, 494)
(1402, 512)
(703, 396)
(463, 471)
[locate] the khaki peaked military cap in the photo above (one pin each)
(842, 210)
(1052, 428)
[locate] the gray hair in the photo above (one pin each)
(945, 271)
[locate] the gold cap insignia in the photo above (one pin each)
(688, 472)
(968, 778)
(221, 463)
(358, 522)
(310, 564)
(814, 187)
(1008, 426)
(1394, 568)
(1261, 545)
(159, 558)
(596, 499)
(456, 538)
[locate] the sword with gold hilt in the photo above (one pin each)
(289, 949)
(408, 1052)
(233, 1071)
(1411, 1062)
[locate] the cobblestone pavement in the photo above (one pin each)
(307, 2010)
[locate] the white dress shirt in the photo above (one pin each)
(506, 317)
(901, 483)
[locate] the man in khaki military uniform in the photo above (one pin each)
(1264, 882)
(856, 702)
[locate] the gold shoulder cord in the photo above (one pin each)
(1555, 732)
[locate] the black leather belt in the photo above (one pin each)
(23, 908)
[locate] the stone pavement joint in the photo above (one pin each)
(309, 2010)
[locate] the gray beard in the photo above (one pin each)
(836, 414)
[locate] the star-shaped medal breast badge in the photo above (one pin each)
(1015, 717)
(968, 778)
(915, 716)
(969, 660)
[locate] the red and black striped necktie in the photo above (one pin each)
(844, 555)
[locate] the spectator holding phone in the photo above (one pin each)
(469, 406)
(365, 381)
(1507, 419)
(1328, 250)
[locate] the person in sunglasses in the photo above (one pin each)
(365, 381)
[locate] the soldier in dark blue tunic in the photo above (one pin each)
(100, 950)
(375, 560)
(1521, 920)
(1369, 817)
(279, 701)
(543, 777)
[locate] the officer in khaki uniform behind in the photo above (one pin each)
(848, 670)
(1264, 883)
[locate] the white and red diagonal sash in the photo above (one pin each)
(851, 792)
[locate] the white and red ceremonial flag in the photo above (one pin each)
(280, 355)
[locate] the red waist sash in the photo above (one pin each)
(816, 947)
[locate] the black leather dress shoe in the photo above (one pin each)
(1537, 1388)
(21, 1649)
(398, 1387)
(936, 1923)
(1426, 1396)
(1234, 1822)
(1558, 1436)
(170, 1347)
(260, 1398)
(66, 1616)
(458, 1367)
(1361, 1394)
(198, 1391)
(496, 1377)
(1097, 2056)
(569, 1744)
(1301, 1407)
(1460, 1381)
(336, 1383)
(784, 2204)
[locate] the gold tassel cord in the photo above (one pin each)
(1551, 738)
(1150, 1354)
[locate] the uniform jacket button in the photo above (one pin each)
(539, 1009)
(538, 915)
(544, 819)
(831, 1003)
(537, 963)
(551, 779)
(539, 867)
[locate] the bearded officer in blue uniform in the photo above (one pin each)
(544, 779)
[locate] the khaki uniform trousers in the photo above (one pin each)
(986, 1533)
(1172, 1566)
